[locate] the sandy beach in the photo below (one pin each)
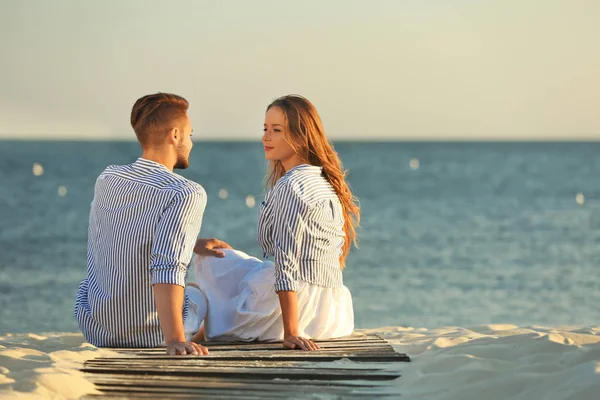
(45, 366)
(498, 362)
(485, 362)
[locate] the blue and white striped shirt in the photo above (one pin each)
(144, 221)
(301, 225)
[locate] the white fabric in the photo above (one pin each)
(243, 305)
(196, 311)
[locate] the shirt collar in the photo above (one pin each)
(306, 167)
(145, 163)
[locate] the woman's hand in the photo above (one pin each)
(289, 314)
(209, 247)
(298, 342)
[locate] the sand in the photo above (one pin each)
(45, 366)
(486, 362)
(498, 362)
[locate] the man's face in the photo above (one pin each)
(185, 144)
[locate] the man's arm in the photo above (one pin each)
(169, 303)
(171, 252)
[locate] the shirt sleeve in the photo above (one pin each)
(289, 226)
(175, 237)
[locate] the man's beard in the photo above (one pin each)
(182, 160)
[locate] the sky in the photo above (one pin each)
(375, 69)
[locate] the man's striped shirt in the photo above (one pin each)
(144, 221)
(301, 226)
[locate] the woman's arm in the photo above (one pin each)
(289, 310)
(289, 227)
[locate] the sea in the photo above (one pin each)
(452, 234)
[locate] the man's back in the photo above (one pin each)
(144, 221)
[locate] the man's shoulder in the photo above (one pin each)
(184, 186)
(157, 178)
(114, 168)
(122, 171)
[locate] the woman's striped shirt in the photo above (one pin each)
(301, 226)
(144, 221)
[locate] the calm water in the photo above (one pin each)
(479, 233)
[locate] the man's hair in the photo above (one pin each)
(154, 115)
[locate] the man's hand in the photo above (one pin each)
(298, 342)
(208, 247)
(183, 348)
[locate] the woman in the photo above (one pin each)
(306, 227)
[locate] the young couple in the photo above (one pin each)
(144, 221)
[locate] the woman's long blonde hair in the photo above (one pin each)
(304, 132)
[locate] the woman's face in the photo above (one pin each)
(276, 147)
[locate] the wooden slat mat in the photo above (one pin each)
(252, 371)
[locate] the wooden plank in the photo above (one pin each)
(277, 388)
(102, 364)
(250, 373)
(279, 351)
(224, 382)
(226, 393)
(199, 364)
(372, 349)
(360, 338)
(263, 346)
(385, 357)
(304, 356)
(255, 370)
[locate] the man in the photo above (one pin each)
(144, 221)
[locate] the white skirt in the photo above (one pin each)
(237, 301)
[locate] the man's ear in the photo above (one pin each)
(174, 134)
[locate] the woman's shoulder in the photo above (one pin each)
(300, 179)
(307, 185)
(286, 186)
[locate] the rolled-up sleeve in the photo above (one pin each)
(288, 231)
(175, 237)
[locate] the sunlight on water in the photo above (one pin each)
(62, 191)
(580, 199)
(414, 164)
(223, 194)
(38, 169)
(250, 201)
